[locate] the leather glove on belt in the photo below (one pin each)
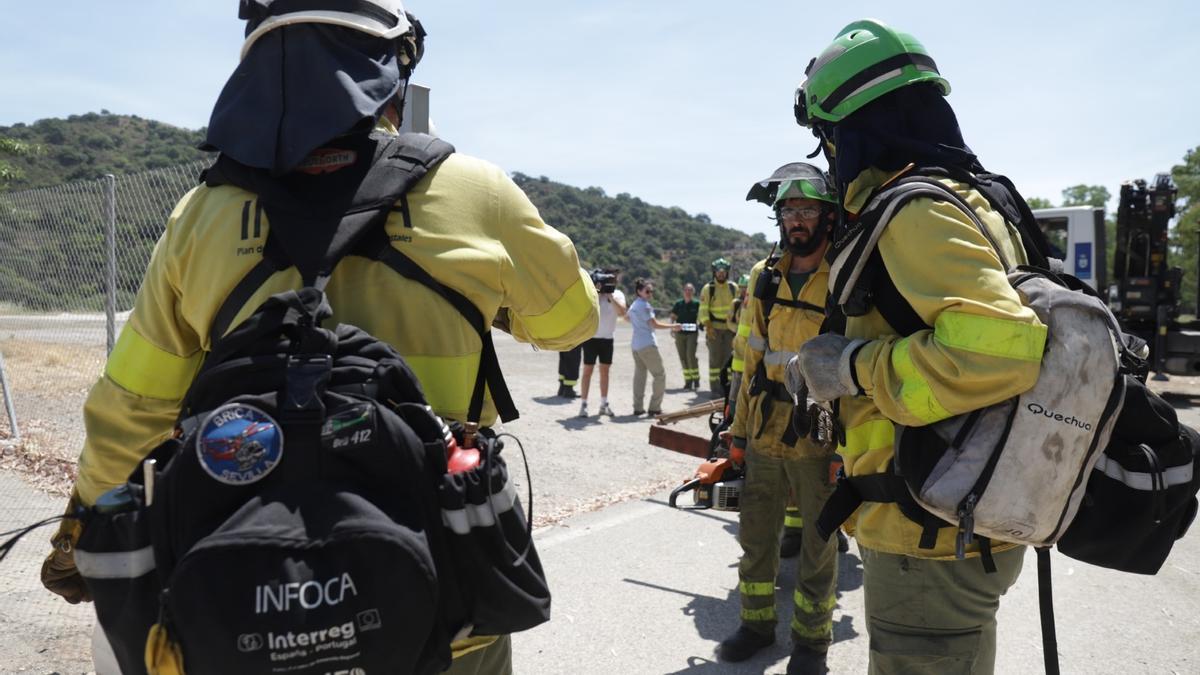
(825, 364)
(59, 574)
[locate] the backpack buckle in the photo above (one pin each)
(307, 377)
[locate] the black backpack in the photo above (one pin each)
(304, 518)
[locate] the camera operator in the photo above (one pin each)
(600, 346)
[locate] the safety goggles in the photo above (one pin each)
(798, 212)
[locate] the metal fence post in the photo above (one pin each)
(8, 402)
(110, 237)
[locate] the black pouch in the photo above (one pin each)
(307, 585)
(504, 588)
(1141, 497)
(116, 560)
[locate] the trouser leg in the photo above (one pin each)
(658, 387)
(568, 366)
(693, 364)
(681, 349)
(639, 380)
(720, 347)
(816, 575)
(934, 616)
(495, 659)
(760, 520)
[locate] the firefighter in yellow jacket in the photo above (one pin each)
(785, 310)
(466, 223)
(716, 308)
(877, 103)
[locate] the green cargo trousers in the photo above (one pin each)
(720, 347)
(685, 344)
(769, 482)
(934, 616)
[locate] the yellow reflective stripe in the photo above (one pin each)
(574, 304)
(757, 587)
(915, 394)
(794, 522)
(738, 365)
(447, 380)
(744, 330)
(870, 435)
(820, 632)
(807, 606)
(764, 614)
(990, 335)
(141, 368)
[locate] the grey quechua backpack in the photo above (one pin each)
(1014, 471)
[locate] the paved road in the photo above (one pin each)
(643, 589)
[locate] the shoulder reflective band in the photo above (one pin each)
(990, 335)
(868, 76)
(563, 316)
(141, 368)
(116, 565)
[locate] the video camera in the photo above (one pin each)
(605, 280)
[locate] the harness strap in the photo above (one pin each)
(1046, 611)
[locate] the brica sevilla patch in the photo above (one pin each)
(238, 444)
(349, 427)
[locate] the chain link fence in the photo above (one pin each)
(71, 259)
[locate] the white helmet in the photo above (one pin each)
(381, 18)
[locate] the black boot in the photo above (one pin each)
(843, 543)
(566, 391)
(789, 544)
(743, 644)
(806, 661)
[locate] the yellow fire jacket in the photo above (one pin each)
(472, 229)
(984, 347)
(773, 343)
(716, 304)
(741, 330)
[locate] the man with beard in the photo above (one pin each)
(785, 309)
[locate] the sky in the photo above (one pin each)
(679, 103)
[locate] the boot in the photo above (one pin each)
(843, 543)
(806, 661)
(743, 644)
(789, 544)
(566, 391)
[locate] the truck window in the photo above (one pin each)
(1055, 230)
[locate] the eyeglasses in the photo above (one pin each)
(648, 291)
(798, 212)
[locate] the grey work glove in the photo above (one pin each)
(824, 364)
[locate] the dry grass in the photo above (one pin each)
(49, 383)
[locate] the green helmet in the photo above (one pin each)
(744, 280)
(720, 264)
(816, 186)
(866, 60)
(766, 190)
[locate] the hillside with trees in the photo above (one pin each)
(665, 244)
(91, 145)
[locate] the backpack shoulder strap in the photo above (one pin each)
(860, 279)
(400, 162)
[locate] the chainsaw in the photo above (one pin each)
(717, 484)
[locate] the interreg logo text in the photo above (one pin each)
(306, 594)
